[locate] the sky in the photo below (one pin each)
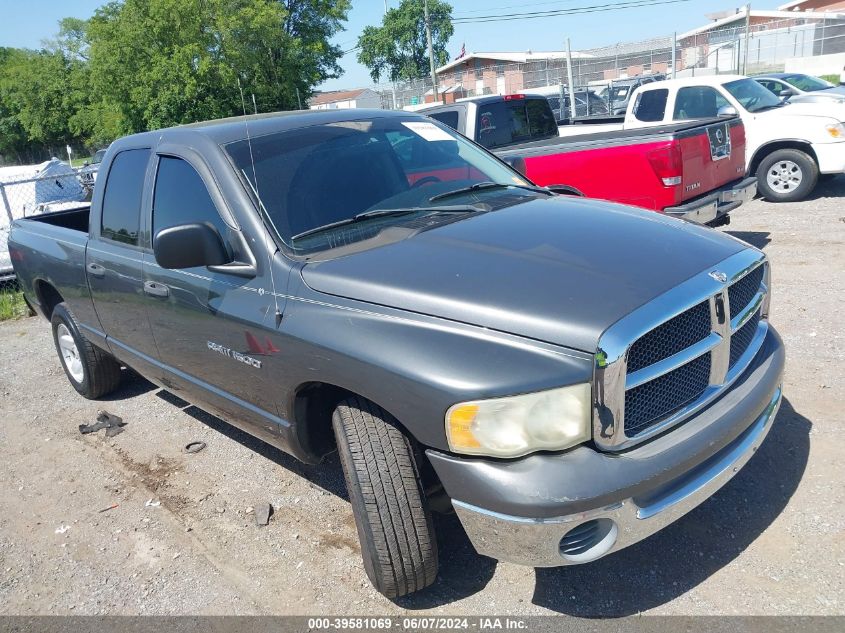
(28, 23)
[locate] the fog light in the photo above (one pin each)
(589, 541)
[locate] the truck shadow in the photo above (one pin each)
(757, 239)
(680, 557)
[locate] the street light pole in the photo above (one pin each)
(431, 53)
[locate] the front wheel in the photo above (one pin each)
(787, 175)
(391, 511)
(92, 371)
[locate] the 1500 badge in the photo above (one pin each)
(230, 353)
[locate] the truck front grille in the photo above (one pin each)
(652, 376)
(653, 400)
(742, 338)
(668, 339)
(743, 291)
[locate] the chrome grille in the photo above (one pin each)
(653, 400)
(670, 338)
(743, 291)
(652, 375)
(742, 338)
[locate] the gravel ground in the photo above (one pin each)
(182, 539)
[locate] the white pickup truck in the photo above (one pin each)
(789, 145)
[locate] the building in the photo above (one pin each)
(345, 99)
(796, 30)
(501, 73)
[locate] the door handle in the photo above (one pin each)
(95, 270)
(156, 289)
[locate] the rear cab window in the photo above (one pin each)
(500, 123)
(449, 118)
(650, 105)
(121, 217)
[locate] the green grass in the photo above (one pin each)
(12, 305)
(834, 79)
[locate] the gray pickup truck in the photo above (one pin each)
(569, 376)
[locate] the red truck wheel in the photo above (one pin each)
(391, 511)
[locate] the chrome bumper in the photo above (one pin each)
(709, 208)
(538, 542)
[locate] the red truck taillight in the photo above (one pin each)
(667, 165)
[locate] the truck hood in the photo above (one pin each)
(560, 270)
(828, 109)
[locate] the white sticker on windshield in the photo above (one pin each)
(428, 131)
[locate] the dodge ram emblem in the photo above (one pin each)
(718, 275)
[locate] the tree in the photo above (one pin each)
(156, 63)
(398, 48)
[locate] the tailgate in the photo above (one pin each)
(712, 155)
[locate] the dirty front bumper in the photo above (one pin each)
(547, 510)
(712, 208)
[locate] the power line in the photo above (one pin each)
(512, 6)
(599, 8)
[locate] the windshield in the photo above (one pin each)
(98, 157)
(327, 174)
(619, 93)
(805, 83)
(751, 95)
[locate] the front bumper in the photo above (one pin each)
(715, 206)
(549, 510)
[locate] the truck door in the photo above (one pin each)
(114, 258)
(213, 329)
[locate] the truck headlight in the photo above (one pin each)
(516, 425)
(836, 130)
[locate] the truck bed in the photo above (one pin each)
(609, 138)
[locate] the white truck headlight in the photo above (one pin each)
(516, 425)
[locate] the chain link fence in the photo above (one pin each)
(806, 43)
(33, 190)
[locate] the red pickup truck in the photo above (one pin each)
(694, 169)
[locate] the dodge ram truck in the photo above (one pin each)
(692, 170)
(567, 375)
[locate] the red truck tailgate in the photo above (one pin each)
(711, 157)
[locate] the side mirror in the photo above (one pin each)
(726, 111)
(189, 245)
(85, 164)
(785, 93)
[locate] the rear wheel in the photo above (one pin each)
(91, 371)
(391, 511)
(787, 175)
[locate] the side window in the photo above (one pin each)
(181, 197)
(121, 219)
(698, 102)
(651, 105)
(449, 118)
(771, 86)
(540, 118)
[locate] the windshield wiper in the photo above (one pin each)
(480, 186)
(380, 213)
(769, 107)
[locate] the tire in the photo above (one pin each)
(91, 371)
(787, 175)
(391, 511)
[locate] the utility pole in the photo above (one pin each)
(572, 111)
(674, 53)
(747, 35)
(431, 53)
(392, 84)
